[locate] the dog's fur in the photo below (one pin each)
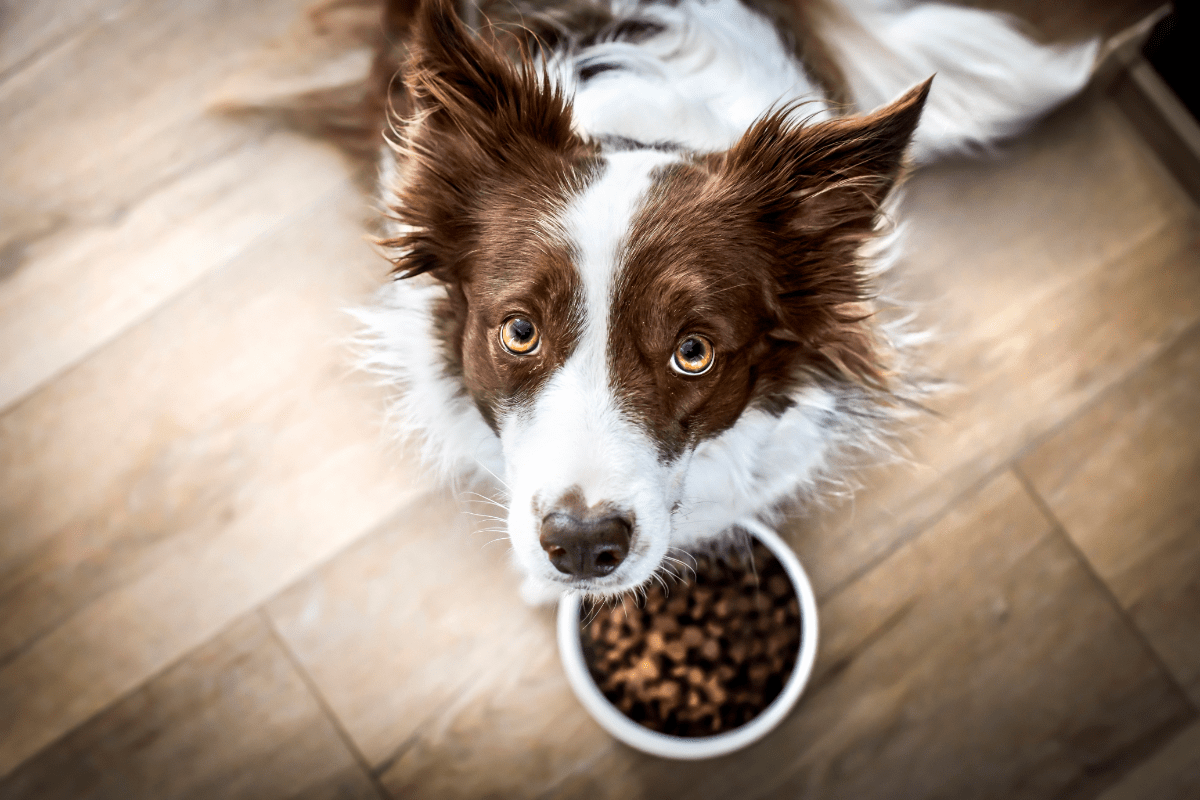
(626, 174)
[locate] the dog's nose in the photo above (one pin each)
(585, 548)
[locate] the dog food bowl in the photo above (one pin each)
(636, 735)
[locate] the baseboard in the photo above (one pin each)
(1151, 105)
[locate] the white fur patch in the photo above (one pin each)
(716, 68)
(991, 80)
(430, 407)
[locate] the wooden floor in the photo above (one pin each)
(218, 579)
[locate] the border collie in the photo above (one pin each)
(635, 248)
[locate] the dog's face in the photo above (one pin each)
(610, 309)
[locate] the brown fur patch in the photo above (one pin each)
(757, 249)
(573, 502)
(546, 290)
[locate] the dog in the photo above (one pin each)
(635, 247)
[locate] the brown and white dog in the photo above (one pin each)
(634, 244)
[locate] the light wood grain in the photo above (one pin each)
(29, 30)
(121, 109)
(117, 186)
(231, 720)
(1124, 480)
(245, 457)
(86, 288)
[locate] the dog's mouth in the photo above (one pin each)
(602, 589)
(592, 588)
(634, 578)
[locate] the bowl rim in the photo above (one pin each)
(691, 748)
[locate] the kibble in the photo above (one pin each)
(700, 656)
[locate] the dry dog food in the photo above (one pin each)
(702, 657)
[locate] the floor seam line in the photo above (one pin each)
(1061, 531)
(311, 685)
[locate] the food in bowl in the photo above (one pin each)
(702, 655)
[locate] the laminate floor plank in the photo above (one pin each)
(1124, 480)
(29, 30)
(1173, 773)
(230, 720)
(140, 522)
(79, 292)
(123, 109)
(118, 187)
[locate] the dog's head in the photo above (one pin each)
(609, 307)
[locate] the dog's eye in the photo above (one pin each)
(519, 336)
(693, 356)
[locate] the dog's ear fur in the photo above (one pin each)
(464, 86)
(479, 124)
(817, 190)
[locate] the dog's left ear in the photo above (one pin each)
(816, 191)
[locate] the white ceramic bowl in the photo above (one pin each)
(570, 650)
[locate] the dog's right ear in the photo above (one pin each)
(480, 123)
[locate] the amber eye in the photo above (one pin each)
(693, 356)
(519, 336)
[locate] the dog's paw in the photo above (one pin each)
(539, 593)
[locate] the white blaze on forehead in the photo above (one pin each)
(597, 224)
(575, 414)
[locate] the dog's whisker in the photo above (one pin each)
(492, 517)
(594, 610)
(500, 480)
(684, 555)
(747, 543)
(482, 516)
(683, 566)
(482, 499)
